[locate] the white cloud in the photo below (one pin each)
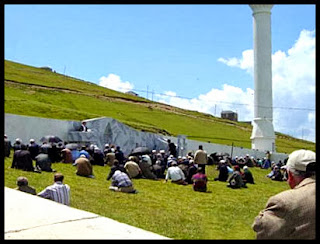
(293, 87)
(246, 62)
(215, 101)
(114, 82)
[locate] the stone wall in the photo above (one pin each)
(107, 130)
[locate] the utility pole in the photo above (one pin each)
(147, 92)
(64, 74)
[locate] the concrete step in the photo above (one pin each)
(32, 217)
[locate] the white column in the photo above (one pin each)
(262, 137)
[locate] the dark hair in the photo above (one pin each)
(58, 177)
(200, 170)
(310, 170)
(23, 147)
(200, 147)
(22, 181)
(311, 167)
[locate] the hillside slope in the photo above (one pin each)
(42, 93)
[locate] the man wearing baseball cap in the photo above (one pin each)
(291, 214)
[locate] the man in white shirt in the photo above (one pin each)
(175, 174)
(57, 192)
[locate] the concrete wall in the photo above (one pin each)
(27, 127)
(103, 130)
(107, 130)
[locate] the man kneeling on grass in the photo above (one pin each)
(84, 167)
(121, 182)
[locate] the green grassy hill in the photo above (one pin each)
(38, 92)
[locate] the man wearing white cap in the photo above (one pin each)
(7, 146)
(291, 214)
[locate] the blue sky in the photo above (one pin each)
(200, 56)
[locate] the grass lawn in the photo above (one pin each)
(168, 209)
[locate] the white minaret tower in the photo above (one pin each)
(262, 137)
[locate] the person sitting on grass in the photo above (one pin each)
(98, 157)
(33, 148)
(291, 214)
(58, 192)
(175, 174)
(84, 152)
(235, 180)
(247, 175)
(84, 167)
(66, 156)
(7, 146)
(191, 171)
(22, 183)
(223, 171)
(132, 168)
(116, 166)
(158, 167)
(121, 183)
(277, 175)
(22, 160)
(43, 162)
(199, 181)
(17, 145)
(145, 165)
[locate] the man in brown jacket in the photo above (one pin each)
(84, 167)
(110, 157)
(133, 168)
(201, 158)
(291, 214)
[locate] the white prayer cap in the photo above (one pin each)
(299, 159)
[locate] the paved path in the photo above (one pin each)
(32, 217)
